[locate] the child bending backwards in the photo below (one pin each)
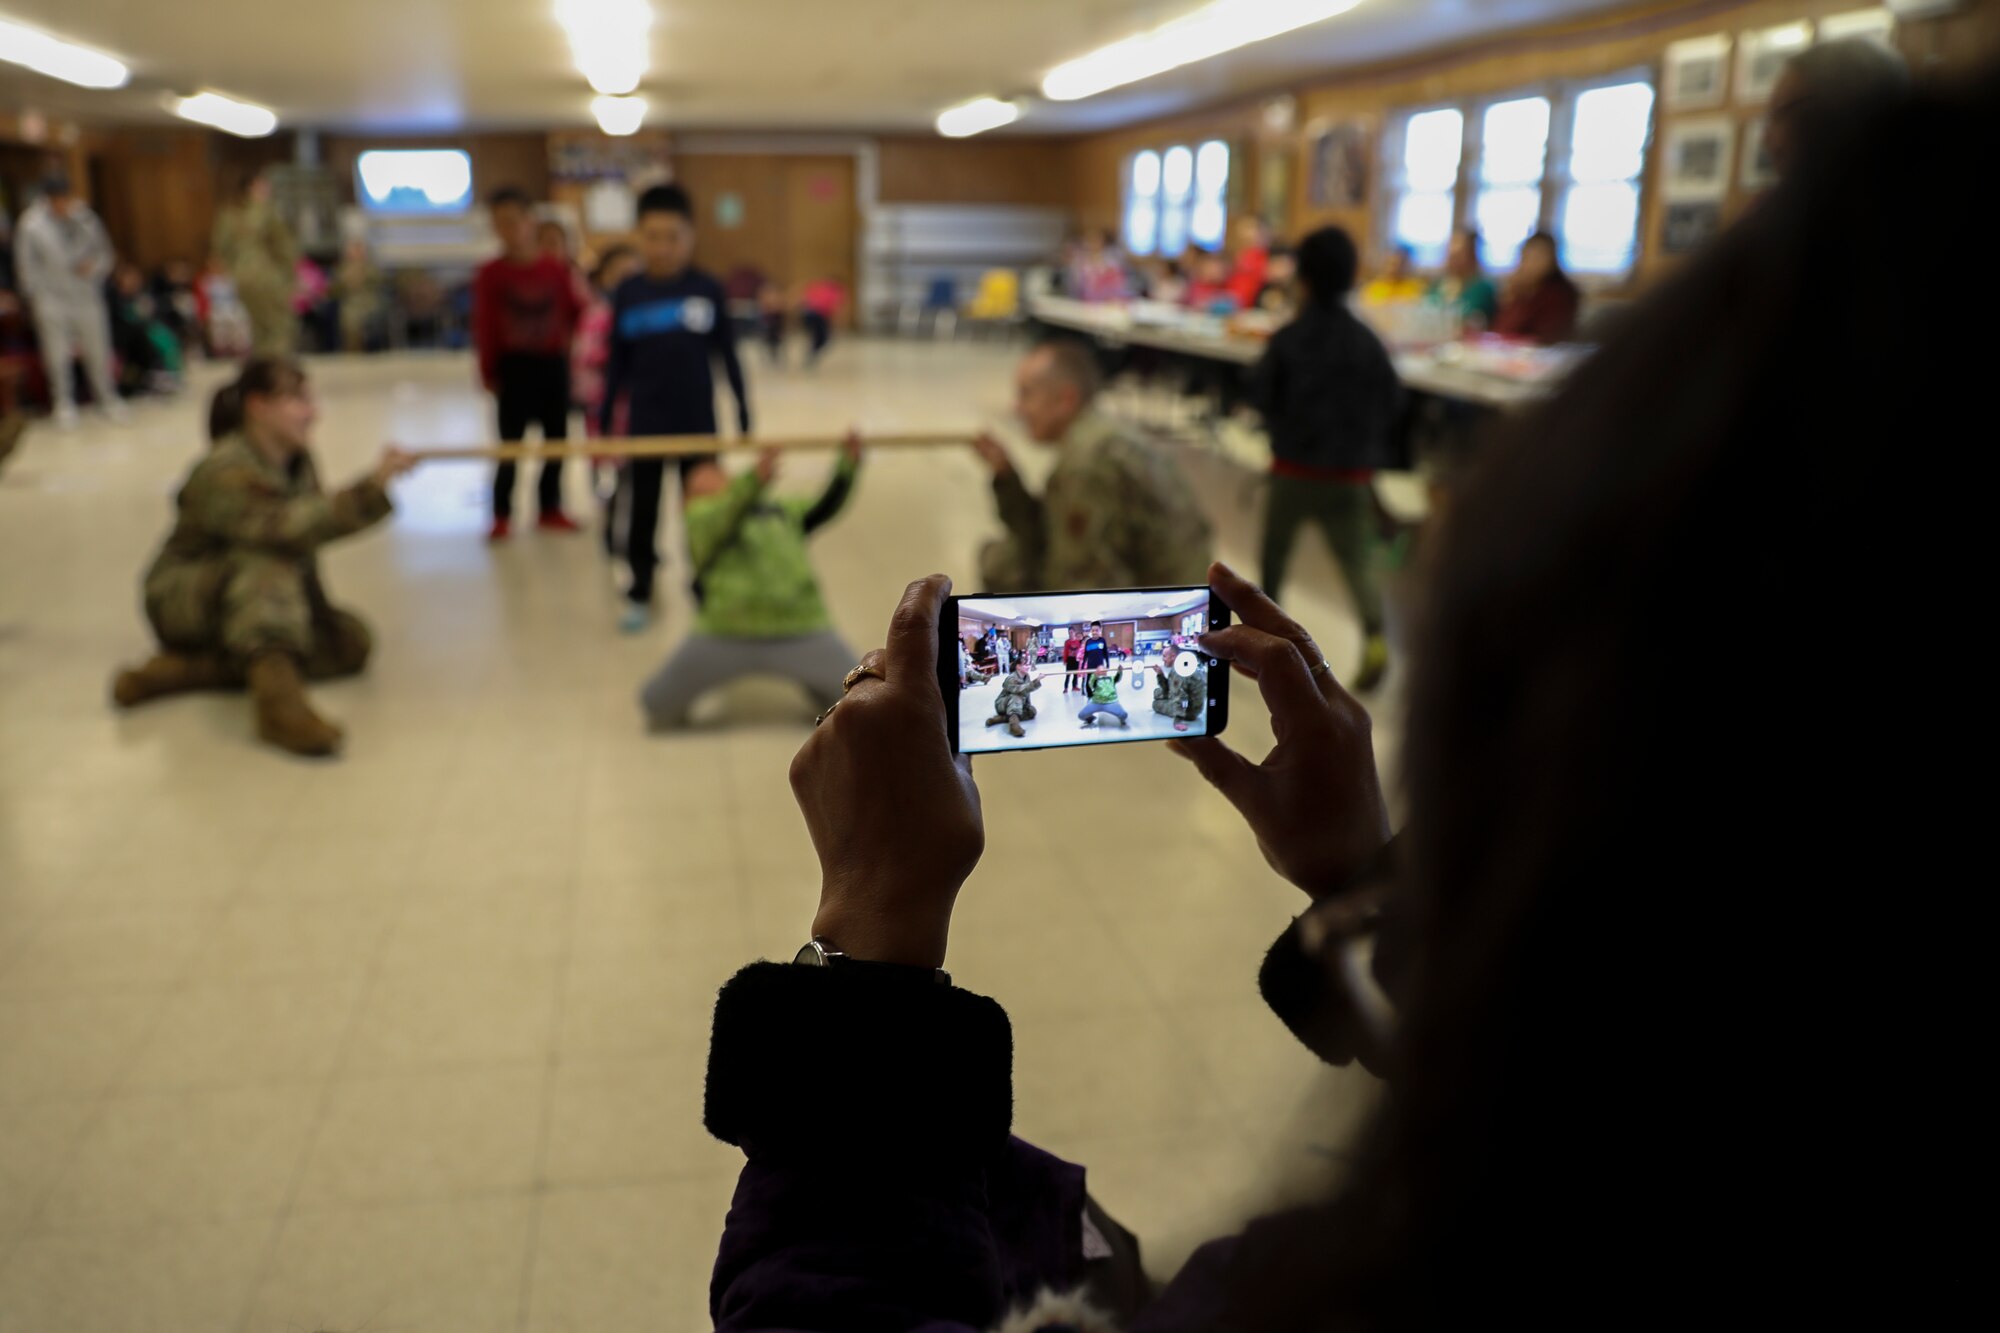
(760, 607)
(1103, 692)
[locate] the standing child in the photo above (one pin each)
(819, 306)
(589, 353)
(761, 611)
(668, 323)
(1072, 655)
(1103, 694)
(524, 313)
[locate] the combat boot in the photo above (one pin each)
(284, 716)
(171, 673)
(1014, 729)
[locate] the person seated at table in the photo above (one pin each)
(1208, 283)
(1279, 274)
(1463, 287)
(1398, 282)
(1251, 262)
(1096, 273)
(1329, 396)
(1542, 302)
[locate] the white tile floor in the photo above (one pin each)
(414, 1039)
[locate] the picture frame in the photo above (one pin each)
(1695, 159)
(1696, 76)
(1339, 157)
(1756, 172)
(1761, 57)
(1687, 227)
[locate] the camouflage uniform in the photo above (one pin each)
(256, 246)
(1116, 513)
(238, 575)
(1012, 704)
(1182, 698)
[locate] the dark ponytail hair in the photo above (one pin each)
(261, 375)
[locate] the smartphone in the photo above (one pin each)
(1088, 668)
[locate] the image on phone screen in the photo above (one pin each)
(1043, 670)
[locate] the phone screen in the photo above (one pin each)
(1041, 670)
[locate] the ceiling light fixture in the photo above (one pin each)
(976, 117)
(59, 59)
(619, 115)
(1209, 31)
(245, 119)
(608, 39)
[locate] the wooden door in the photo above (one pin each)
(738, 211)
(1121, 634)
(820, 224)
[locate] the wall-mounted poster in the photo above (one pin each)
(1875, 25)
(1758, 173)
(1689, 227)
(1697, 75)
(1697, 159)
(1761, 57)
(1339, 175)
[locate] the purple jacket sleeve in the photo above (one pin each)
(871, 1112)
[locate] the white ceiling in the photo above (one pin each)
(415, 65)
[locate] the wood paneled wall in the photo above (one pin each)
(517, 159)
(974, 171)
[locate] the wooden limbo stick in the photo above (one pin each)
(680, 446)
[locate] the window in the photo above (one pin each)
(414, 181)
(1513, 154)
(1423, 182)
(1177, 198)
(1569, 159)
(1598, 221)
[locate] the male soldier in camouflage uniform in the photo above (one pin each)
(1116, 512)
(1182, 698)
(234, 595)
(1011, 706)
(254, 243)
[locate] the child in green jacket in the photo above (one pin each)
(761, 611)
(1103, 691)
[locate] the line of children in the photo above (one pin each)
(669, 322)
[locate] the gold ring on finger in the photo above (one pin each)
(859, 674)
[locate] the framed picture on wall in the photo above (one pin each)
(1877, 25)
(1338, 177)
(1757, 172)
(1761, 57)
(1689, 227)
(1697, 73)
(1697, 157)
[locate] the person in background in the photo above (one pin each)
(176, 304)
(225, 324)
(525, 306)
(1825, 89)
(1397, 283)
(1251, 263)
(358, 288)
(1072, 657)
(149, 356)
(590, 352)
(669, 323)
(1166, 281)
(1096, 273)
(256, 246)
(1208, 283)
(1115, 513)
(1279, 274)
(1329, 396)
(761, 612)
(819, 307)
(773, 314)
(1542, 302)
(1463, 287)
(235, 594)
(61, 259)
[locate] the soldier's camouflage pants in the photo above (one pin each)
(1014, 706)
(249, 602)
(1003, 567)
(274, 324)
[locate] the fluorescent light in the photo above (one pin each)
(608, 39)
(1209, 31)
(976, 117)
(246, 119)
(59, 59)
(619, 115)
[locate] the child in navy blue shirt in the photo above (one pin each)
(668, 322)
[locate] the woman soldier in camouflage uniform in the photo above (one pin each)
(235, 596)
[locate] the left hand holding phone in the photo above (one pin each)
(893, 814)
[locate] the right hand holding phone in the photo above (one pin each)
(1315, 802)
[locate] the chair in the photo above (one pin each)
(997, 302)
(940, 303)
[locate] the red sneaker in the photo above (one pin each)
(557, 522)
(500, 531)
